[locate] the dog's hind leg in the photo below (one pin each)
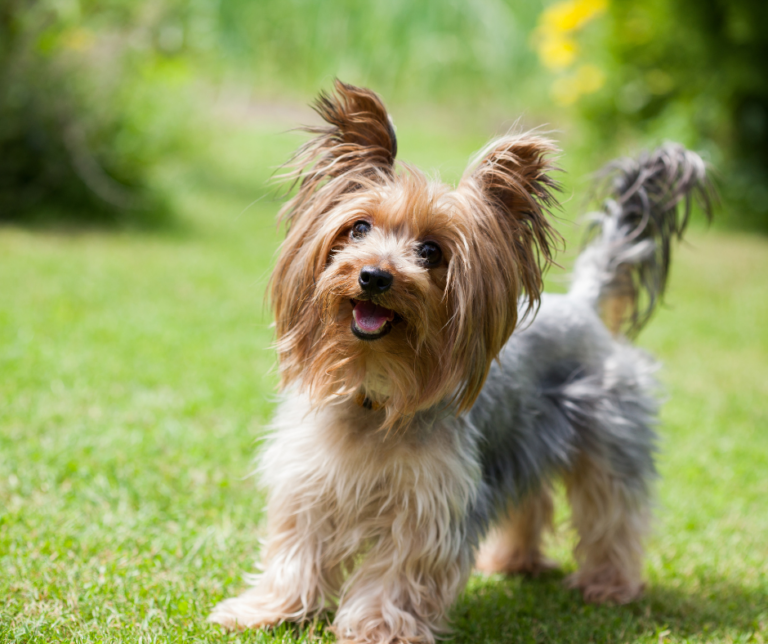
(513, 545)
(611, 517)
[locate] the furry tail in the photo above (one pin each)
(623, 270)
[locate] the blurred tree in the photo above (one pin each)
(696, 71)
(76, 120)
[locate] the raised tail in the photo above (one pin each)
(623, 270)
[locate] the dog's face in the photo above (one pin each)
(397, 289)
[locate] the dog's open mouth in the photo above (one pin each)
(371, 321)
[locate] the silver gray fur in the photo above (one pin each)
(564, 385)
(565, 395)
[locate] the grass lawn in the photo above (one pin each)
(136, 374)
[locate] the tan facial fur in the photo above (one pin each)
(452, 319)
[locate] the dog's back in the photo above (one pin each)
(571, 397)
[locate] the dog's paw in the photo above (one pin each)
(531, 564)
(513, 562)
(392, 625)
(245, 611)
(602, 588)
(383, 636)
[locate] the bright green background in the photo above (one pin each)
(136, 373)
(136, 376)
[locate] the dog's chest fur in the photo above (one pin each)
(343, 477)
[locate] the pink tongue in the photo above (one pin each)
(370, 317)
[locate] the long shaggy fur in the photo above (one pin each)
(624, 269)
(513, 545)
(493, 223)
(398, 460)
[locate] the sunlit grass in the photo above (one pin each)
(136, 375)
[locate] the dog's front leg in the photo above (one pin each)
(403, 589)
(294, 583)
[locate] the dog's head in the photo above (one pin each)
(397, 289)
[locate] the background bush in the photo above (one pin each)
(82, 113)
(436, 50)
(693, 71)
(94, 93)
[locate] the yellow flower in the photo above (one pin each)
(557, 52)
(566, 90)
(555, 41)
(570, 15)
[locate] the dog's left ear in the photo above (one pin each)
(505, 196)
(514, 176)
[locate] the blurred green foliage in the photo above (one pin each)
(695, 71)
(434, 50)
(80, 83)
(93, 93)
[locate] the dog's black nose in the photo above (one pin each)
(375, 280)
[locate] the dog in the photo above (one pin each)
(418, 436)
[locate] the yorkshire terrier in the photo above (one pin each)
(418, 436)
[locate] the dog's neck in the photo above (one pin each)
(371, 414)
(376, 383)
(375, 390)
(364, 401)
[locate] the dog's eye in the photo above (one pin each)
(430, 254)
(360, 230)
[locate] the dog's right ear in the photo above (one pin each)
(358, 144)
(355, 150)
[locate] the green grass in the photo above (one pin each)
(135, 377)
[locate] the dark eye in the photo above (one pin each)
(430, 254)
(360, 230)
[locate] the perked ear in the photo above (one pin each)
(359, 142)
(513, 175)
(505, 194)
(356, 149)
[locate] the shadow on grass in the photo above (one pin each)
(516, 610)
(494, 610)
(543, 610)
